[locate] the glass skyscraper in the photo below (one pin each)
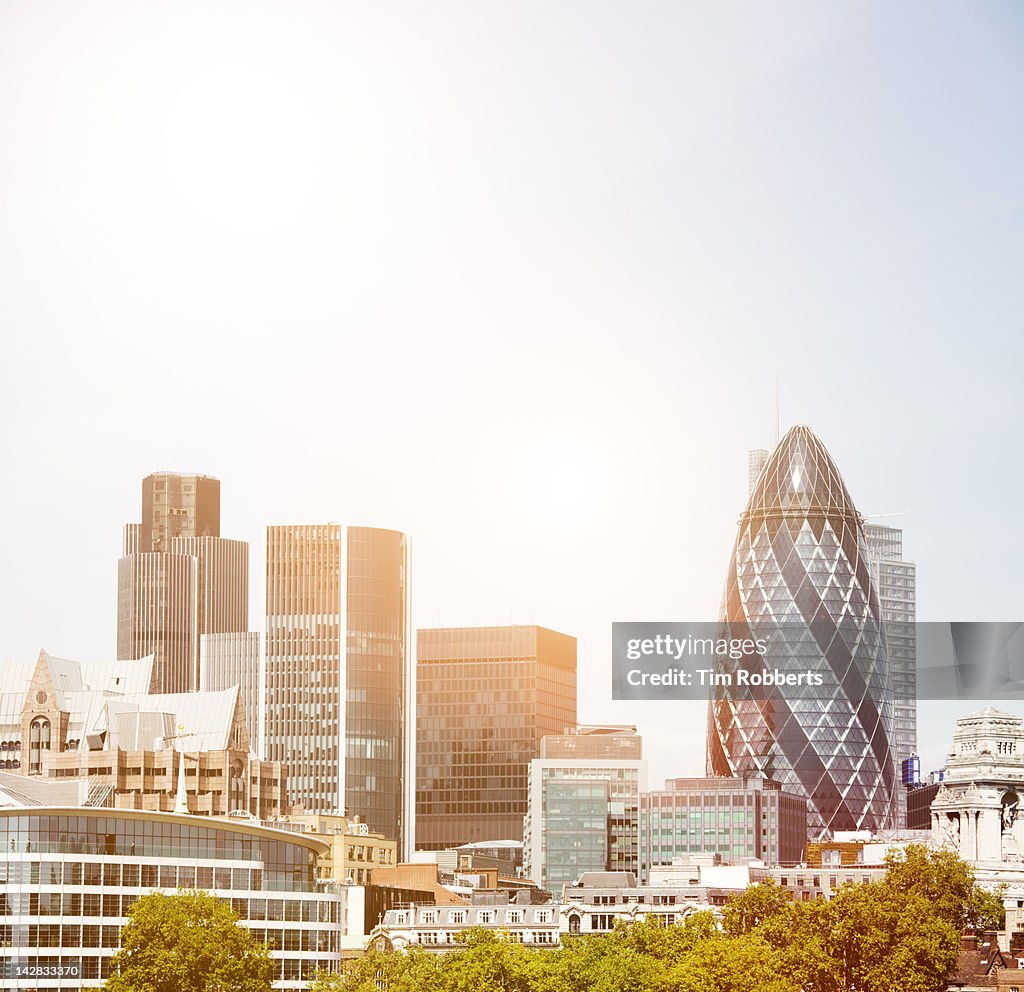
(896, 582)
(486, 697)
(801, 579)
(339, 677)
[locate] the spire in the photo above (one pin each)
(181, 800)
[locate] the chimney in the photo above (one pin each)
(1017, 943)
(969, 941)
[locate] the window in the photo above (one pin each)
(38, 741)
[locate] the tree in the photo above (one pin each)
(753, 907)
(188, 942)
(987, 911)
(940, 877)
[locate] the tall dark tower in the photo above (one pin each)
(800, 578)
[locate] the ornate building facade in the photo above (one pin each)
(977, 810)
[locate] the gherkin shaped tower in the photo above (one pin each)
(800, 579)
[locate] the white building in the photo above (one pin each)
(72, 875)
(976, 812)
(436, 927)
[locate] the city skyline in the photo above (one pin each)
(563, 259)
(664, 759)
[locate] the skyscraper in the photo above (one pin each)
(339, 676)
(485, 696)
(896, 582)
(177, 505)
(226, 660)
(800, 579)
(156, 614)
(178, 578)
(757, 458)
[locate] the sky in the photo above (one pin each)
(517, 279)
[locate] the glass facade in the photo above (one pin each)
(378, 668)
(232, 659)
(576, 829)
(800, 578)
(485, 697)
(338, 670)
(582, 816)
(896, 582)
(68, 879)
(733, 818)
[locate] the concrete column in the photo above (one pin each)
(969, 842)
(990, 840)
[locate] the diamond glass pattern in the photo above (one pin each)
(799, 578)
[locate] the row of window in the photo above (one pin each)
(437, 937)
(112, 906)
(484, 917)
(112, 874)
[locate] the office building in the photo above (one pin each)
(353, 851)
(583, 812)
(757, 458)
(896, 584)
(800, 580)
(339, 677)
(178, 505)
(156, 615)
(485, 696)
(919, 805)
(73, 874)
(98, 722)
(178, 579)
(227, 660)
(735, 819)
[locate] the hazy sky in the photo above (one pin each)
(517, 279)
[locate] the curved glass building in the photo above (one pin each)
(69, 876)
(800, 579)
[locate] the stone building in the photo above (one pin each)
(99, 722)
(976, 811)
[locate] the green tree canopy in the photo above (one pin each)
(898, 934)
(188, 942)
